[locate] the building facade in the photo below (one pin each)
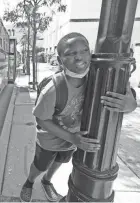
(81, 16)
(4, 50)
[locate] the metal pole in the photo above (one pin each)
(94, 173)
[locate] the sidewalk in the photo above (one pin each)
(21, 152)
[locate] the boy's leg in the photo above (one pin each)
(34, 173)
(50, 192)
(62, 157)
(42, 160)
(51, 170)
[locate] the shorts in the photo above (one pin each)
(43, 158)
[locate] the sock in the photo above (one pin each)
(46, 182)
(28, 184)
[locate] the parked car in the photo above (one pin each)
(137, 44)
(53, 61)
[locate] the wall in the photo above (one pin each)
(135, 78)
(85, 9)
(136, 33)
(58, 27)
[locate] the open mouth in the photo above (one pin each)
(80, 65)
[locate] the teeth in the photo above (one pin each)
(80, 64)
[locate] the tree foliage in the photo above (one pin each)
(28, 11)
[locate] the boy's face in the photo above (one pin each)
(75, 55)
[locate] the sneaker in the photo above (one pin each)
(26, 192)
(50, 191)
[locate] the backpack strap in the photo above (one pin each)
(61, 92)
(41, 86)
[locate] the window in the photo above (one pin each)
(4, 45)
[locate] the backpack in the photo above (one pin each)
(61, 91)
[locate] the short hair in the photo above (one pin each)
(71, 35)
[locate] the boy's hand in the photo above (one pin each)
(118, 102)
(86, 144)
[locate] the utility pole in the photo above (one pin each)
(93, 174)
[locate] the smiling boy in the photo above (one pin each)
(60, 133)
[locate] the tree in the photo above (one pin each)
(26, 37)
(38, 21)
(26, 45)
(17, 17)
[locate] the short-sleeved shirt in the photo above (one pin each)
(69, 119)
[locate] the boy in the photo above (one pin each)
(60, 134)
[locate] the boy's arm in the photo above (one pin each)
(44, 111)
(84, 143)
(45, 106)
(120, 103)
(50, 126)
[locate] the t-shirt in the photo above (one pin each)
(69, 119)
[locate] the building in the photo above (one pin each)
(4, 50)
(6, 89)
(81, 16)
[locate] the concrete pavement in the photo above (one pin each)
(21, 150)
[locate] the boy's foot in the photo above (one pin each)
(26, 192)
(50, 191)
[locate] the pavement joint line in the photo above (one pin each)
(5, 136)
(23, 124)
(129, 167)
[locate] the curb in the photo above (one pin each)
(5, 136)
